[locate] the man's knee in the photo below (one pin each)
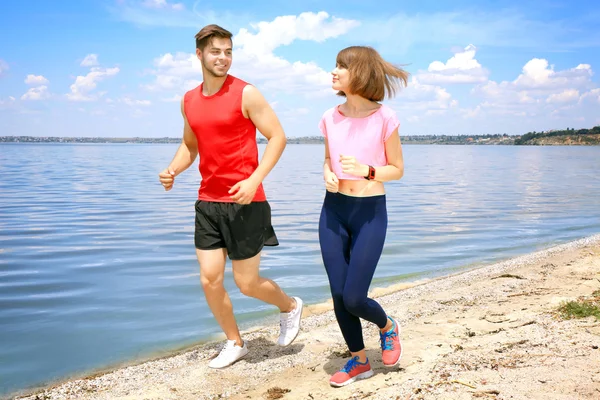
(212, 268)
(248, 287)
(246, 275)
(211, 281)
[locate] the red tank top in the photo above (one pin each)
(226, 140)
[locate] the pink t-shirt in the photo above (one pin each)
(362, 138)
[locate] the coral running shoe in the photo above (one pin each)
(391, 348)
(351, 372)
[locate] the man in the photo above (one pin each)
(233, 217)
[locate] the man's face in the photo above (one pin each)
(216, 56)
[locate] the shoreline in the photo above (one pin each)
(184, 374)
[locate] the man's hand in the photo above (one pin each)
(167, 178)
(352, 167)
(243, 192)
(331, 182)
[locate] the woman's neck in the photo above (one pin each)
(358, 106)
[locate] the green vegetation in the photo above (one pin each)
(582, 308)
(567, 137)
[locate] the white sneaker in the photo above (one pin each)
(289, 323)
(228, 355)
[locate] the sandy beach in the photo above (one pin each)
(492, 333)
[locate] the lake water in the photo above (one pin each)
(97, 262)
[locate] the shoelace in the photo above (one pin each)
(286, 322)
(350, 365)
(387, 340)
(226, 347)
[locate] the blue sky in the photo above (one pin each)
(118, 67)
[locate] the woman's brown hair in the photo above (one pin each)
(371, 76)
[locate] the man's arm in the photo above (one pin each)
(184, 157)
(257, 109)
(262, 115)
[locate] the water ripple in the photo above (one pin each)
(102, 269)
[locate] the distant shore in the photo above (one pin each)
(554, 138)
(494, 332)
(425, 139)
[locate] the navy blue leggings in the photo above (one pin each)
(351, 234)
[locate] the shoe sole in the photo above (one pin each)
(229, 365)
(299, 324)
(364, 375)
(401, 349)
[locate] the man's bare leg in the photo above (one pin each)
(251, 284)
(212, 273)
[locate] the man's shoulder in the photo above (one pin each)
(192, 92)
(238, 82)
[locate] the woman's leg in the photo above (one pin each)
(334, 240)
(369, 226)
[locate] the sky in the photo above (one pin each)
(118, 68)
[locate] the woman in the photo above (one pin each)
(362, 150)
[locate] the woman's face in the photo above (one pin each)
(340, 78)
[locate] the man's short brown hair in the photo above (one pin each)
(206, 35)
(371, 76)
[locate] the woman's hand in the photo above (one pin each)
(331, 182)
(351, 166)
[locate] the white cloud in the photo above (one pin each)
(138, 113)
(3, 67)
(593, 96)
(419, 103)
(91, 60)
(36, 80)
(420, 97)
(471, 112)
(293, 114)
(539, 98)
(284, 30)
(567, 96)
(80, 90)
(538, 86)
(504, 93)
(36, 93)
(173, 99)
(461, 68)
(163, 4)
(538, 75)
(7, 103)
(256, 62)
(253, 58)
(132, 102)
(173, 72)
(275, 73)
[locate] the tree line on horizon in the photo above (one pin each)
(518, 139)
(567, 132)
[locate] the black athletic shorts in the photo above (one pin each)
(243, 229)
